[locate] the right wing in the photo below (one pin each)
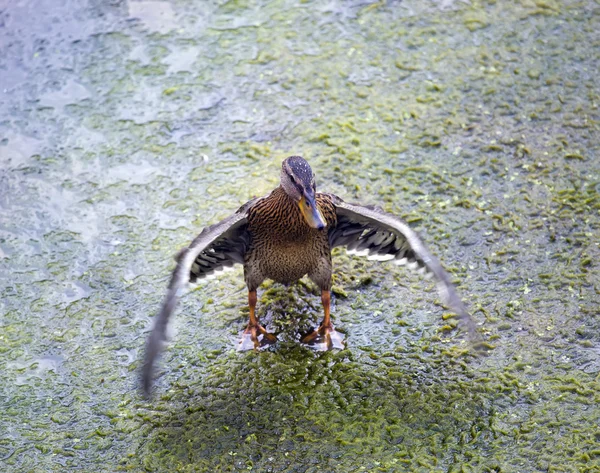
(371, 232)
(216, 248)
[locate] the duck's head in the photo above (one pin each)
(298, 182)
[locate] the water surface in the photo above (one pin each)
(125, 127)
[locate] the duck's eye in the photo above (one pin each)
(293, 179)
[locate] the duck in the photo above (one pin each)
(286, 235)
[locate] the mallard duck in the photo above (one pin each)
(289, 234)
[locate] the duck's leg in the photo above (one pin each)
(325, 337)
(255, 336)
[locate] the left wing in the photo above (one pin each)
(381, 236)
(214, 249)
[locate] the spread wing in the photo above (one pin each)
(216, 248)
(371, 232)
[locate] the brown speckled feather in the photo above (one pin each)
(283, 246)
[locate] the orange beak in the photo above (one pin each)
(310, 212)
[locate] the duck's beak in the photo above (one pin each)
(310, 212)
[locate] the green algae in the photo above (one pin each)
(477, 123)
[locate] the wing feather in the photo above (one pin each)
(216, 247)
(382, 236)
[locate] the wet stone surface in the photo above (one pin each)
(125, 127)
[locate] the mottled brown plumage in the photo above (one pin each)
(284, 248)
(289, 234)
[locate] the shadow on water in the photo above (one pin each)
(291, 409)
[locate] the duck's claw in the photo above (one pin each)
(324, 338)
(255, 337)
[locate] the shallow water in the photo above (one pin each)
(125, 127)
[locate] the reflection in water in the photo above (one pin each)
(155, 16)
(72, 92)
(16, 149)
